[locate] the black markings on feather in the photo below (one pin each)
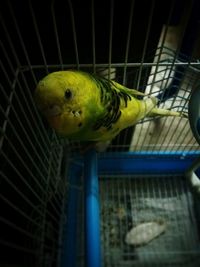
(102, 95)
(111, 98)
(118, 116)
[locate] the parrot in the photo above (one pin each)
(86, 107)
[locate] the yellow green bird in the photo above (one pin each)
(85, 107)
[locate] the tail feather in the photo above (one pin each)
(167, 112)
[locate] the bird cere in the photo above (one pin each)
(84, 107)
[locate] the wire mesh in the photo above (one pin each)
(33, 188)
(124, 42)
(128, 201)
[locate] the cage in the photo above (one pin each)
(62, 207)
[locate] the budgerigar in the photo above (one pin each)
(85, 107)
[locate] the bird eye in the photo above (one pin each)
(68, 94)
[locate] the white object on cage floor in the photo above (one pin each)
(143, 233)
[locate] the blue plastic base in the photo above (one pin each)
(110, 163)
(146, 162)
(92, 211)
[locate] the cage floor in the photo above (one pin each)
(127, 201)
